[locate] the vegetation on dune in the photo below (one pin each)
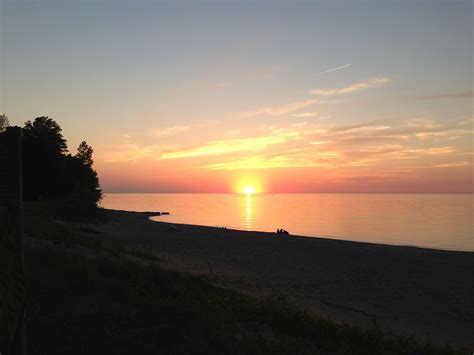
(4, 123)
(101, 302)
(50, 172)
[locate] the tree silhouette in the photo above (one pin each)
(45, 133)
(84, 153)
(50, 173)
(87, 191)
(3, 122)
(44, 148)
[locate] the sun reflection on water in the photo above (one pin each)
(248, 213)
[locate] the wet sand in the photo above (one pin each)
(412, 291)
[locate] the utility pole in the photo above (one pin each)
(13, 287)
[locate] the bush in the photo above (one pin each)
(49, 172)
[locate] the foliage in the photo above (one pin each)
(44, 134)
(3, 122)
(50, 173)
(44, 149)
(86, 190)
(84, 153)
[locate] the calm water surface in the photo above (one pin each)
(431, 221)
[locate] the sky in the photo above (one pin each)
(284, 96)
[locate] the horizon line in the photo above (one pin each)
(292, 193)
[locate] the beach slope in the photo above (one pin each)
(412, 291)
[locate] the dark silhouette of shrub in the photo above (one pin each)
(87, 190)
(49, 172)
(3, 122)
(84, 153)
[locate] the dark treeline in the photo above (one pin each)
(51, 172)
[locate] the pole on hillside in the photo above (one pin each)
(12, 240)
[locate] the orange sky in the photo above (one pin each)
(288, 97)
(385, 155)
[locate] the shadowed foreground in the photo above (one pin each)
(413, 291)
(101, 307)
(98, 301)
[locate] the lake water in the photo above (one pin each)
(430, 221)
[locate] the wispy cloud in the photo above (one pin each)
(299, 124)
(334, 69)
(269, 162)
(443, 96)
(128, 152)
(362, 86)
(281, 109)
(304, 114)
(232, 145)
(380, 145)
(127, 149)
(452, 165)
(290, 108)
(352, 146)
(170, 131)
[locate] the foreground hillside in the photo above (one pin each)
(90, 295)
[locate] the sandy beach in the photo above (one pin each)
(412, 291)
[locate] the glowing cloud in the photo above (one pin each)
(170, 131)
(304, 114)
(282, 109)
(232, 146)
(365, 85)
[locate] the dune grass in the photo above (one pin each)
(81, 304)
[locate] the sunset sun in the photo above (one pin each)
(249, 190)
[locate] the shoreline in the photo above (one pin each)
(404, 289)
(149, 215)
(275, 235)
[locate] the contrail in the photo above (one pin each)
(334, 69)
